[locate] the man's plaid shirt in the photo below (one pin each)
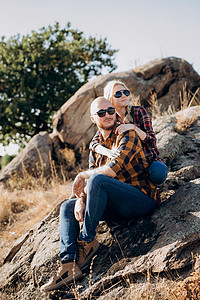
(139, 116)
(131, 165)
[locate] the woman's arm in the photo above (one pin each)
(107, 152)
(95, 146)
(124, 127)
(144, 123)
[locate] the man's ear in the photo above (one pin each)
(92, 119)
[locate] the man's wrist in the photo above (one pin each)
(81, 175)
(85, 175)
(83, 197)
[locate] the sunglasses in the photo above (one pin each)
(118, 94)
(101, 113)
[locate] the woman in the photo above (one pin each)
(133, 118)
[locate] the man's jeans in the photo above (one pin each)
(157, 172)
(107, 199)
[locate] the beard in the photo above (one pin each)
(108, 127)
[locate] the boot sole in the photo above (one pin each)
(85, 262)
(69, 279)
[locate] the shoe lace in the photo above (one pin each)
(57, 271)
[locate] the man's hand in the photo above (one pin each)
(79, 210)
(78, 186)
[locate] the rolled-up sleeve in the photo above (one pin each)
(146, 125)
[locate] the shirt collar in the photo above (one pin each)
(111, 136)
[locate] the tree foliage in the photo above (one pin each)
(4, 160)
(41, 71)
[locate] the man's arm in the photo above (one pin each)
(79, 181)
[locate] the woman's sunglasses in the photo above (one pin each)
(102, 112)
(118, 94)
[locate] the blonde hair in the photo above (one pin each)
(108, 89)
(108, 92)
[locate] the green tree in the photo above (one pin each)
(41, 71)
(5, 160)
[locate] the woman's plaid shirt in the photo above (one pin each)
(131, 165)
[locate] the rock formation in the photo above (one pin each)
(167, 243)
(163, 78)
(34, 159)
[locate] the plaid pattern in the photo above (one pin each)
(131, 165)
(138, 116)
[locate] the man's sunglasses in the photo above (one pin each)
(102, 112)
(118, 94)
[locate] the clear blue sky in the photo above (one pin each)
(142, 30)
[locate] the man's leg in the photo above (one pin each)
(69, 231)
(125, 199)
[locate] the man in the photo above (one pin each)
(120, 189)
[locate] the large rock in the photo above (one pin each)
(165, 77)
(165, 243)
(73, 127)
(35, 159)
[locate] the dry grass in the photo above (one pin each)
(21, 208)
(155, 107)
(184, 123)
(186, 99)
(27, 199)
(66, 157)
(165, 289)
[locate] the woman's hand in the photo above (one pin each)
(124, 127)
(79, 210)
(115, 152)
(112, 153)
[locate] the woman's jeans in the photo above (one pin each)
(107, 199)
(157, 172)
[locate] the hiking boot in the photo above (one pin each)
(86, 251)
(67, 273)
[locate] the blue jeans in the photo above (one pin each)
(157, 172)
(107, 199)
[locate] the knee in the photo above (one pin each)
(96, 179)
(67, 207)
(158, 172)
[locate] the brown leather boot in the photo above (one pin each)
(67, 273)
(86, 251)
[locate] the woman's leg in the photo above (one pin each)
(157, 172)
(125, 200)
